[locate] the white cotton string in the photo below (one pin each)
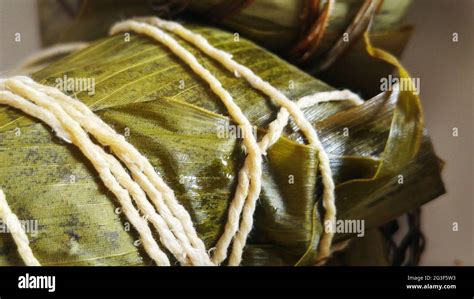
(326, 96)
(275, 130)
(277, 126)
(95, 154)
(17, 102)
(249, 186)
(166, 236)
(19, 235)
(136, 163)
(314, 99)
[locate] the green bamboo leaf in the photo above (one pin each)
(173, 118)
(370, 250)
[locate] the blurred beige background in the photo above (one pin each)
(446, 73)
(445, 70)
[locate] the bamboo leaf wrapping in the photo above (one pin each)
(138, 89)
